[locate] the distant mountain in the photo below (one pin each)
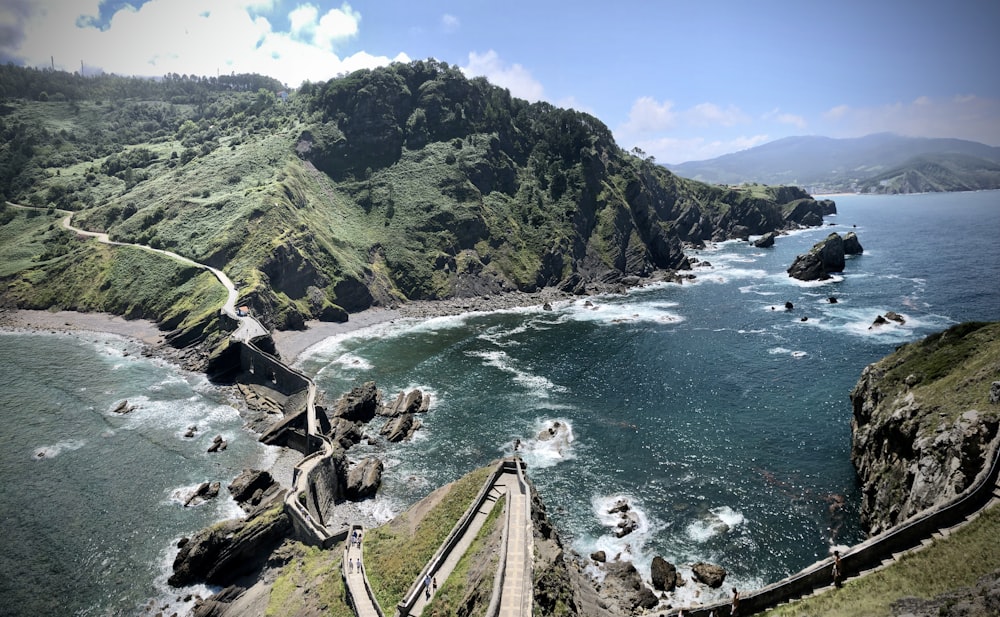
(827, 164)
(936, 173)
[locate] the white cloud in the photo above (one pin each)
(777, 115)
(514, 77)
(648, 116)
(674, 150)
(450, 23)
(181, 36)
(962, 116)
(710, 114)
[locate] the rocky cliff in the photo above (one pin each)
(923, 422)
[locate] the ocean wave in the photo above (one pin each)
(54, 450)
(618, 312)
(551, 443)
(538, 385)
(631, 547)
(716, 521)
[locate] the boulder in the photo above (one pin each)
(709, 574)
(401, 428)
(832, 300)
(765, 241)
(629, 522)
(995, 392)
(358, 405)
(123, 408)
(218, 444)
(879, 321)
(599, 556)
(894, 316)
(663, 574)
(851, 244)
(789, 306)
(364, 479)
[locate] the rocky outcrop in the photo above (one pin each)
(400, 428)
(823, 258)
(980, 600)
(360, 404)
(204, 492)
(922, 426)
(253, 487)
(364, 479)
(411, 402)
(623, 584)
(222, 553)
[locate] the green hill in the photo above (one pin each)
(387, 185)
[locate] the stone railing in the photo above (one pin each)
(872, 552)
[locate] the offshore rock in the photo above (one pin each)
(252, 487)
(623, 584)
(414, 401)
(710, 574)
(823, 258)
(765, 241)
(851, 244)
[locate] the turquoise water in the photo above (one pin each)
(726, 424)
(722, 418)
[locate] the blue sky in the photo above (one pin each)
(683, 80)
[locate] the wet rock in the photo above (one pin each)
(414, 401)
(663, 574)
(252, 486)
(851, 244)
(894, 316)
(360, 404)
(124, 408)
(765, 241)
(709, 574)
(789, 306)
(401, 428)
(204, 492)
(599, 556)
(823, 258)
(879, 321)
(218, 444)
(832, 300)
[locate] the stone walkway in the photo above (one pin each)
(357, 584)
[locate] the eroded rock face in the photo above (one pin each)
(911, 450)
(400, 428)
(624, 585)
(364, 479)
(222, 553)
(766, 240)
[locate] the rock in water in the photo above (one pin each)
(360, 404)
(765, 241)
(894, 316)
(364, 479)
(663, 574)
(398, 429)
(823, 258)
(851, 244)
(710, 574)
(246, 485)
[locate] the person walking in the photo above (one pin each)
(838, 573)
(427, 587)
(735, 607)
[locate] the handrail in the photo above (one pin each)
(874, 550)
(406, 604)
(493, 610)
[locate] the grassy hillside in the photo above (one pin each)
(406, 182)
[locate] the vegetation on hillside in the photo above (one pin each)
(404, 182)
(936, 173)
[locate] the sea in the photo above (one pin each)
(721, 418)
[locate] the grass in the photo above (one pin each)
(954, 369)
(318, 571)
(394, 556)
(25, 238)
(946, 565)
(473, 575)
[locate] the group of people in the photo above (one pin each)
(428, 585)
(352, 563)
(356, 538)
(355, 542)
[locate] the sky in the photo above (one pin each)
(680, 79)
